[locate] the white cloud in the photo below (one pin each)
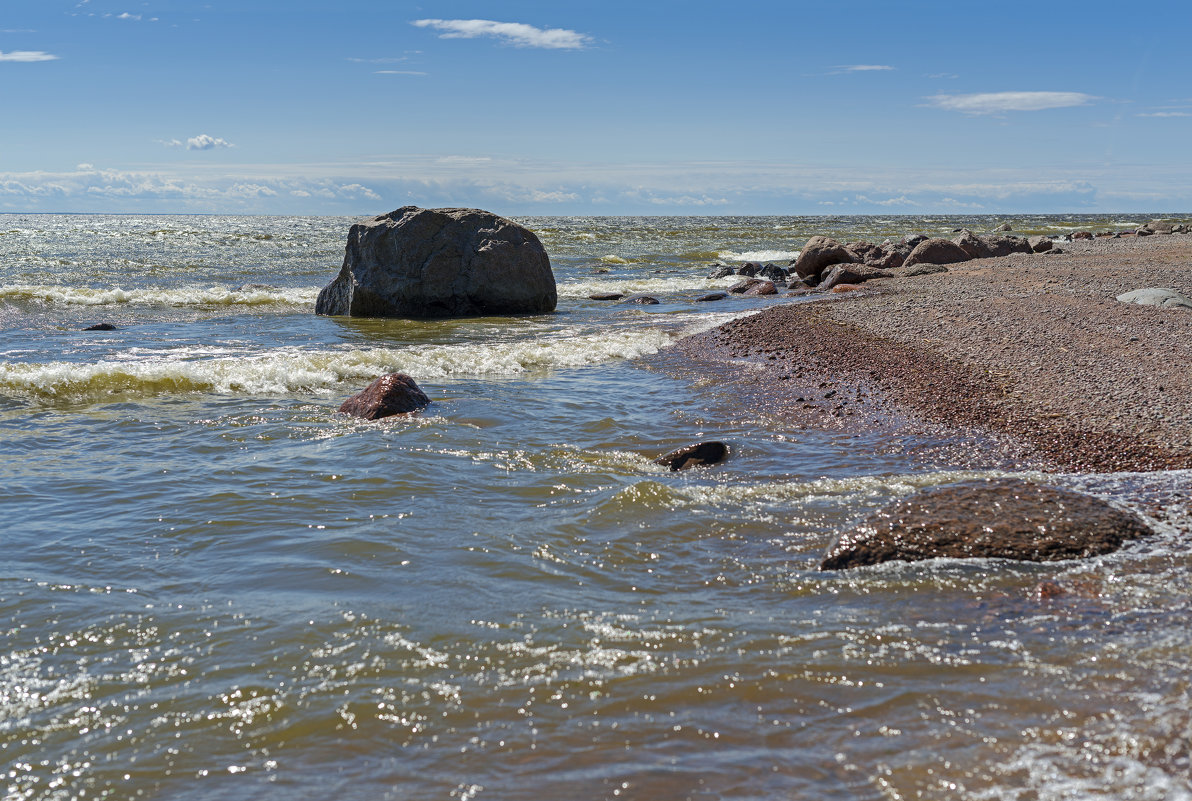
(862, 68)
(1166, 114)
(514, 33)
(126, 15)
(999, 102)
(398, 72)
(26, 56)
(205, 142)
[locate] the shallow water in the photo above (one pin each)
(214, 587)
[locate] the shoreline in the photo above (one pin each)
(1029, 352)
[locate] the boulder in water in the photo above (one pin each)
(999, 518)
(424, 263)
(702, 453)
(395, 393)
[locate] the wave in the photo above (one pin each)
(249, 295)
(582, 289)
(290, 370)
(758, 255)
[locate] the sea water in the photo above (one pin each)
(212, 586)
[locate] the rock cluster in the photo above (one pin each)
(424, 263)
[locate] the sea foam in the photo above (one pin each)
(181, 296)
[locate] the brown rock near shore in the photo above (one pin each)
(936, 251)
(818, 253)
(395, 393)
(995, 519)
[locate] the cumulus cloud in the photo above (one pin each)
(27, 56)
(518, 34)
(999, 102)
(205, 142)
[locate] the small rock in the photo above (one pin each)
(642, 300)
(840, 289)
(703, 453)
(721, 271)
(741, 287)
(1155, 296)
(606, 296)
(772, 272)
(1082, 235)
(749, 269)
(711, 296)
(101, 327)
(999, 518)
(1004, 227)
(395, 393)
(761, 288)
(1040, 244)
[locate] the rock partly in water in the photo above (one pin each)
(749, 269)
(426, 263)
(1003, 227)
(711, 296)
(1155, 296)
(703, 453)
(761, 288)
(995, 519)
(605, 296)
(818, 253)
(395, 393)
(772, 272)
(936, 251)
(721, 271)
(101, 327)
(641, 300)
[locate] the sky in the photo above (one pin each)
(647, 107)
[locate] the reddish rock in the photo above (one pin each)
(395, 393)
(1083, 235)
(1041, 244)
(997, 246)
(840, 289)
(818, 253)
(761, 288)
(999, 518)
(850, 274)
(936, 251)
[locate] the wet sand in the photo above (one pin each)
(1028, 359)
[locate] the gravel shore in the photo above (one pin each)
(1031, 352)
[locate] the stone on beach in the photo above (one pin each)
(702, 453)
(850, 274)
(1040, 244)
(818, 253)
(1155, 296)
(999, 518)
(936, 251)
(427, 263)
(395, 393)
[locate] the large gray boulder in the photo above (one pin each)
(416, 262)
(1002, 518)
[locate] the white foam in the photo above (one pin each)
(581, 289)
(182, 296)
(298, 370)
(758, 255)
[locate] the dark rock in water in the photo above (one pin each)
(711, 296)
(818, 253)
(935, 251)
(749, 268)
(721, 271)
(703, 453)
(772, 272)
(101, 327)
(741, 287)
(395, 393)
(761, 288)
(606, 296)
(426, 263)
(996, 519)
(641, 300)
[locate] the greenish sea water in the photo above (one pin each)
(214, 587)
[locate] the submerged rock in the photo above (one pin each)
(395, 393)
(417, 262)
(606, 296)
(641, 300)
(702, 453)
(101, 327)
(1155, 296)
(999, 518)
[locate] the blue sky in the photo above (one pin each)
(746, 107)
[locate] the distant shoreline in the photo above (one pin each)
(1032, 351)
